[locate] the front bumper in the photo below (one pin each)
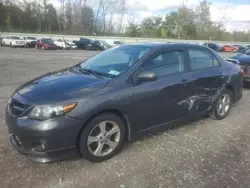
(18, 44)
(31, 44)
(58, 136)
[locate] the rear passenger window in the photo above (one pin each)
(201, 59)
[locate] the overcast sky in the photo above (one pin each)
(236, 12)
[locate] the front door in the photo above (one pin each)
(163, 100)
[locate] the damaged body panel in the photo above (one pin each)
(191, 91)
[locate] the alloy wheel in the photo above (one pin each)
(103, 138)
(223, 104)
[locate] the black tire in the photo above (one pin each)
(11, 45)
(215, 114)
(82, 145)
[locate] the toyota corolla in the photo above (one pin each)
(90, 109)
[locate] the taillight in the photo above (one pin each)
(241, 72)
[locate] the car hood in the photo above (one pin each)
(242, 58)
(66, 84)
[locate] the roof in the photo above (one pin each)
(164, 44)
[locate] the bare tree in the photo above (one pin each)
(122, 12)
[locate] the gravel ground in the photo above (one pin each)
(204, 153)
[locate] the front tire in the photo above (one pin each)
(222, 105)
(102, 137)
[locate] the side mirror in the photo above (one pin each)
(145, 76)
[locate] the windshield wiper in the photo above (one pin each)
(89, 71)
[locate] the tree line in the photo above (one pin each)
(108, 18)
(72, 17)
(186, 23)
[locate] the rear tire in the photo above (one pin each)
(106, 143)
(222, 105)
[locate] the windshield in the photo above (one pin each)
(15, 37)
(31, 38)
(47, 41)
(114, 62)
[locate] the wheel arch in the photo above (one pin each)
(231, 88)
(118, 113)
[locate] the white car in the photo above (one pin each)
(114, 43)
(29, 41)
(63, 44)
(13, 41)
(72, 44)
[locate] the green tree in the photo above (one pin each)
(8, 22)
(163, 33)
(151, 26)
(52, 18)
(203, 19)
(133, 30)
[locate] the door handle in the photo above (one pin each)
(184, 82)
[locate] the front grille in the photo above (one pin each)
(17, 108)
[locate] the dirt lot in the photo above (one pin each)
(205, 153)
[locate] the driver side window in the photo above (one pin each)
(166, 63)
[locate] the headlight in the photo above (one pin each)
(44, 112)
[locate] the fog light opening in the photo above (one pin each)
(39, 146)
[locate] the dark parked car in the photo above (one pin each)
(214, 47)
(84, 44)
(243, 59)
(93, 107)
(101, 45)
(241, 47)
(30, 41)
(244, 50)
(46, 44)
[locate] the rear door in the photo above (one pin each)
(207, 77)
